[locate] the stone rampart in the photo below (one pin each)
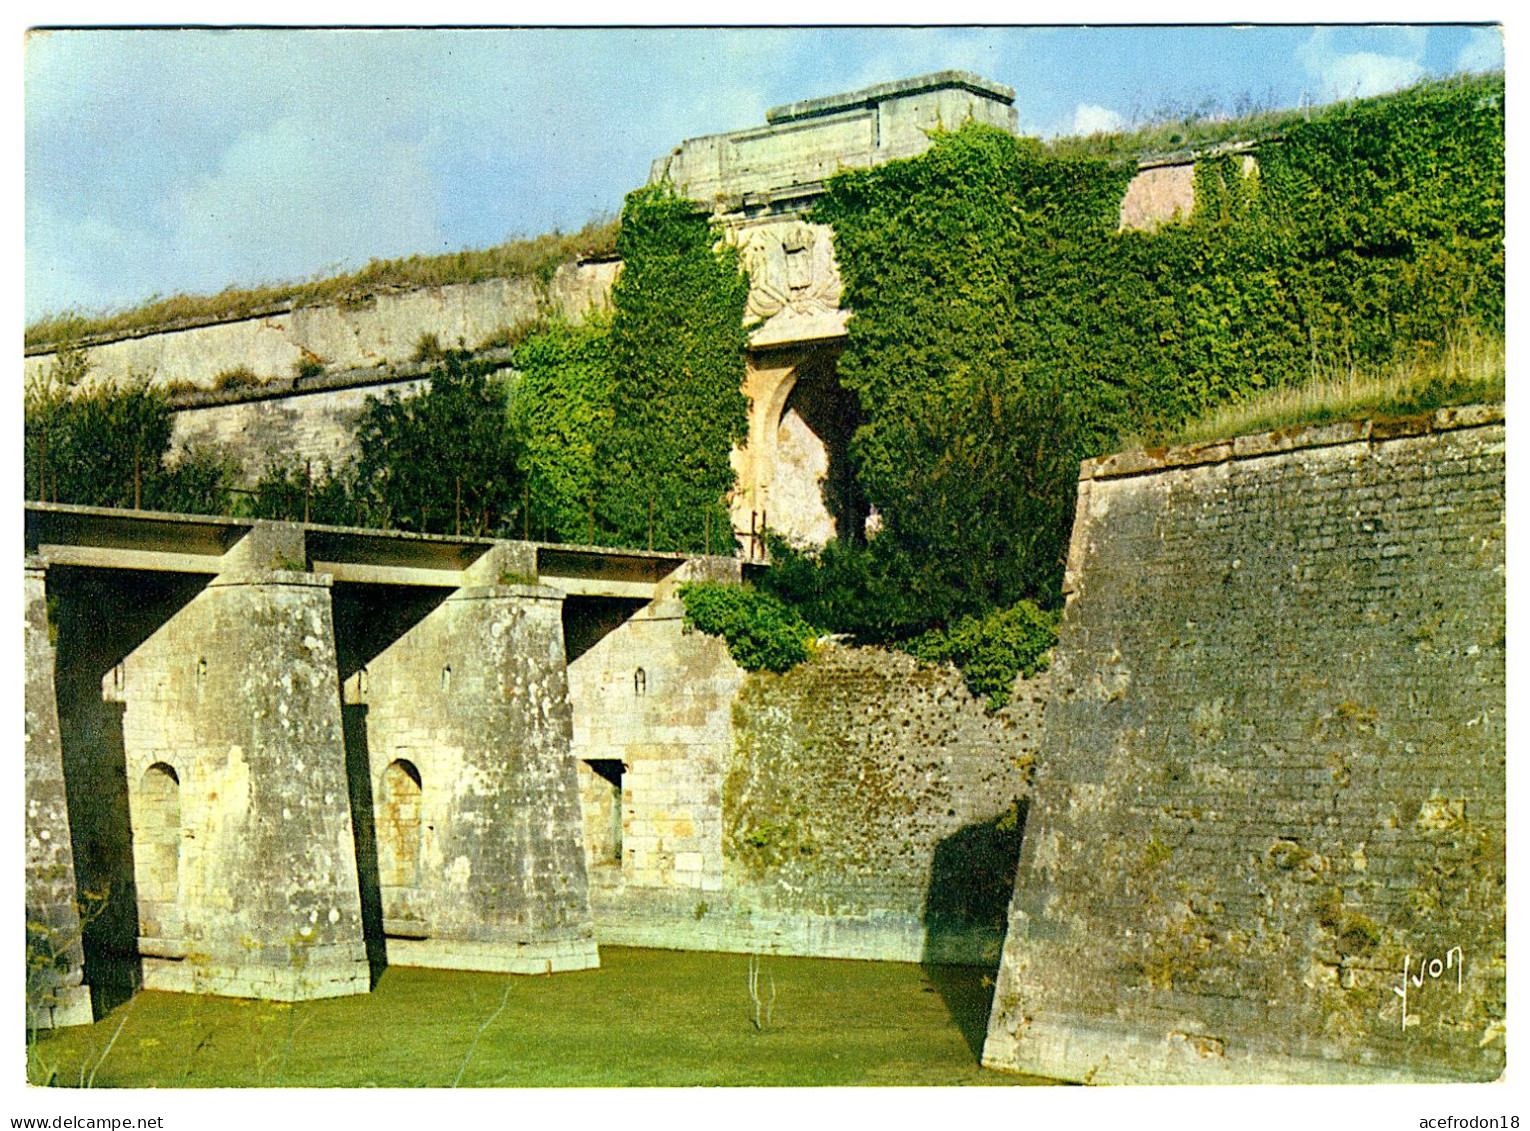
(384, 329)
(305, 423)
(249, 387)
(859, 806)
(1266, 841)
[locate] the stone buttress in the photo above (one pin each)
(56, 995)
(466, 728)
(243, 851)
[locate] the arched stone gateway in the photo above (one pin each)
(794, 472)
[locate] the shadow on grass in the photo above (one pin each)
(967, 992)
(966, 910)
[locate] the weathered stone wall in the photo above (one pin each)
(651, 705)
(55, 951)
(318, 426)
(872, 808)
(1272, 782)
(235, 699)
(385, 329)
(859, 806)
(807, 142)
(467, 712)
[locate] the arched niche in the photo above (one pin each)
(813, 493)
(399, 793)
(156, 818)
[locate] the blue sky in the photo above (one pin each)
(167, 161)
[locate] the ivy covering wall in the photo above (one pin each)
(627, 425)
(1003, 329)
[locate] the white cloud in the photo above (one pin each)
(1361, 74)
(1091, 119)
(299, 197)
(1483, 51)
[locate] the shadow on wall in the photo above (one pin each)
(966, 910)
(358, 775)
(99, 618)
(831, 414)
(369, 619)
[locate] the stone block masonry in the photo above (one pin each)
(874, 809)
(860, 806)
(1266, 841)
(269, 758)
(232, 706)
(56, 995)
(466, 732)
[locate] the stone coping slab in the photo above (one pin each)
(938, 80)
(1124, 464)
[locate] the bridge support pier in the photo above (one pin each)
(243, 852)
(56, 993)
(480, 850)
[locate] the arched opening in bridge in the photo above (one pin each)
(399, 795)
(156, 817)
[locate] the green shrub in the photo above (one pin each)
(870, 592)
(428, 348)
(417, 451)
(763, 633)
(93, 446)
(307, 367)
(992, 650)
(287, 489)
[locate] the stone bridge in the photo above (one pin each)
(266, 759)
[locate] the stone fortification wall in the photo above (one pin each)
(872, 808)
(1270, 799)
(860, 806)
(317, 425)
(383, 329)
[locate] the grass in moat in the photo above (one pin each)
(646, 1017)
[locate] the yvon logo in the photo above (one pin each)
(1431, 970)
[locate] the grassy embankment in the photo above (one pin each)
(537, 257)
(1470, 371)
(646, 1017)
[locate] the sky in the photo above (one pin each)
(169, 161)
